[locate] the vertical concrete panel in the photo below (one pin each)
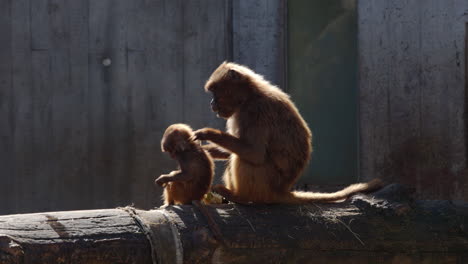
(107, 101)
(206, 30)
(259, 37)
(22, 105)
(412, 94)
(373, 88)
(6, 108)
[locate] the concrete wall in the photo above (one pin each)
(412, 59)
(78, 134)
(259, 37)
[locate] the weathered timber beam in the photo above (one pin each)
(387, 227)
(95, 236)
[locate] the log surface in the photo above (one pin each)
(387, 227)
(95, 236)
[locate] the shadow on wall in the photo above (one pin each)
(418, 162)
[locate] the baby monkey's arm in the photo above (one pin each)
(173, 176)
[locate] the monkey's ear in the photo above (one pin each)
(234, 75)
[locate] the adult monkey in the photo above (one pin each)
(267, 142)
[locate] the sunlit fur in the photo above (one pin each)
(193, 160)
(277, 140)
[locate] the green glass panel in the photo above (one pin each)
(322, 81)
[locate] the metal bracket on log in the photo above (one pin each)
(162, 235)
(385, 227)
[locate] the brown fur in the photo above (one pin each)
(193, 179)
(269, 141)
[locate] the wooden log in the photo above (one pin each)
(387, 227)
(95, 236)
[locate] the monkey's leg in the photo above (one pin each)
(227, 177)
(228, 194)
(168, 199)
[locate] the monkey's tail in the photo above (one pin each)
(298, 197)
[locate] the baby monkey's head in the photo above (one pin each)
(177, 138)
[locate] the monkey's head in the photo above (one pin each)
(177, 138)
(231, 85)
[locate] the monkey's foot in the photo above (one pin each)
(228, 194)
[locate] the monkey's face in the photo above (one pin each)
(177, 138)
(220, 104)
(227, 98)
(169, 144)
(229, 89)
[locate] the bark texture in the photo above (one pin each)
(386, 227)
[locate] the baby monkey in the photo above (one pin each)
(193, 179)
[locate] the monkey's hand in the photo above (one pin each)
(163, 180)
(207, 134)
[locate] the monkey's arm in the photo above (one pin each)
(174, 176)
(217, 152)
(254, 153)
